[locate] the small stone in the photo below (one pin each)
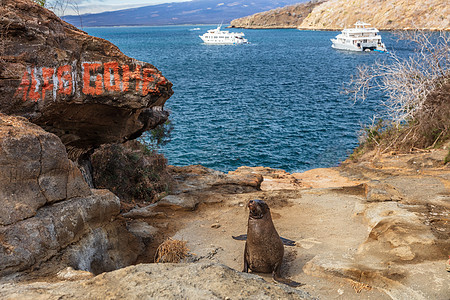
(142, 229)
(215, 225)
(70, 274)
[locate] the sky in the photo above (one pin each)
(96, 6)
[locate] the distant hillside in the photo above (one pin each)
(286, 17)
(191, 12)
(338, 14)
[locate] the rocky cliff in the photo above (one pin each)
(338, 14)
(47, 208)
(287, 17)
(77, 86)
(64, 93)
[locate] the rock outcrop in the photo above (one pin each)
(158, 281)
(338, 14)
(46, 206)
(82, 92)
(77, 86)
(34, 170)
(376, 228)
(286, 17)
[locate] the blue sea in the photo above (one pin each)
(276, 102)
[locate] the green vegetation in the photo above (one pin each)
(40, 2)
(158, 136)
(417, 107)
(447, 158)
(134, 172)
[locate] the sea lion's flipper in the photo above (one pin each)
(245, 259)
(276, 275)
(286, 242)
(242, 237)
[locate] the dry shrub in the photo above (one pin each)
(132, 171)
(359, 286)
(417, 90)
(171, 251)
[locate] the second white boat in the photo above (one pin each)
(360, 38)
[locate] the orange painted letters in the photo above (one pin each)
(87, 88)
(148, 78)
(114, 66)
(137, 76)
(33, 94)
(126, 78)
(47, 74)
(97, 78)
(65, 80)
(23, 87)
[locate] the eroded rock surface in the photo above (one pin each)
(376, 228)
(47, 206)
(80, 87)
(34, 170)
(159, 281)
(197, 184)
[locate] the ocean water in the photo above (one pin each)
(276, 102)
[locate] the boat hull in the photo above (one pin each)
(362, 47)
(219, 37)
(224, 42)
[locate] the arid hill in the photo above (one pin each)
(287, 17)
(338, 14)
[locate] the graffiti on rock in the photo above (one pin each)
(96, 79)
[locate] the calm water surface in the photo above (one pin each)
(276, 102)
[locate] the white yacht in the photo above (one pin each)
(360, 38)
(221, 37)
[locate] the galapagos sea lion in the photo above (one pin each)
(264, 249)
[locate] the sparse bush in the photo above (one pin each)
(417, 89)
(171, 251)
(158, 136)
(135, 173)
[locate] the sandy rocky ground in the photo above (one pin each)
(374, 229)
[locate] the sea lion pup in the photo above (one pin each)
(264, 249)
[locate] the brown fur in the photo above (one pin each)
(264, 249)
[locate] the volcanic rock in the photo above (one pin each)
(197, 184)
(45, 205)
(159, 281)
(34, 170)
(80, 87)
